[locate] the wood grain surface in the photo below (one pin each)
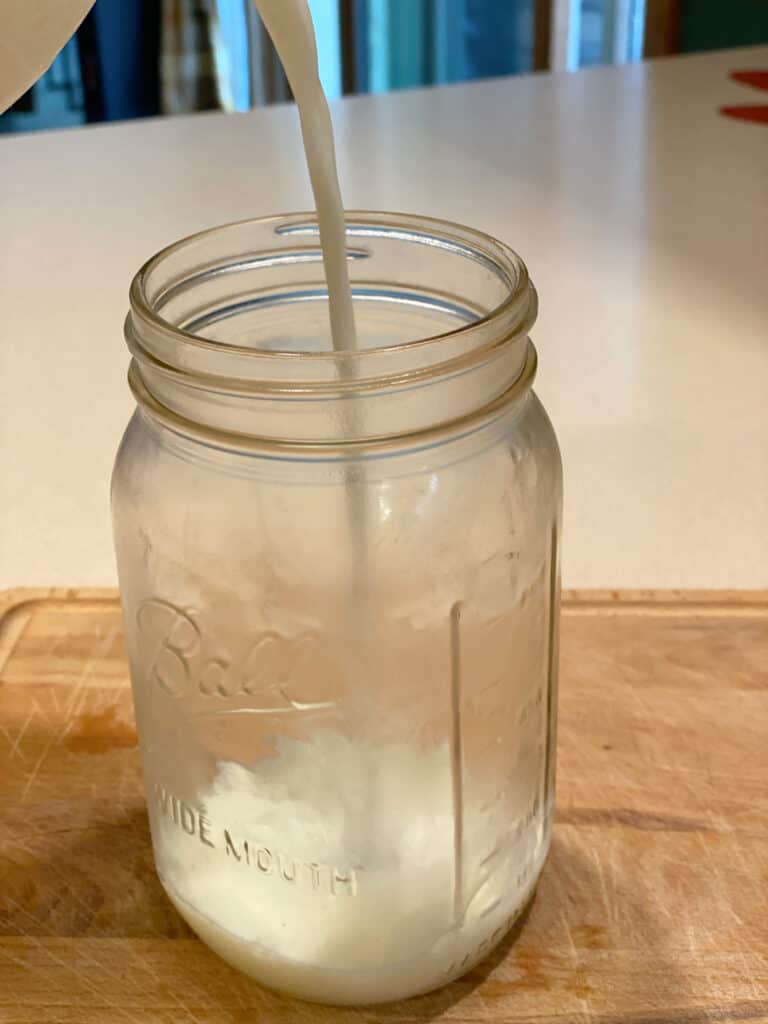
(653, 907)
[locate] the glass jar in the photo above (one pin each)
(339, 575)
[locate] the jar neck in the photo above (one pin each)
(229, 334)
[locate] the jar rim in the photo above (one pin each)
(410, 226)
(235, 279)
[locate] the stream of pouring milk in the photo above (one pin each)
(289, 23)
(329, 869)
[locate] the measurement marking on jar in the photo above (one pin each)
(457, 765)
(264, 860)
(479, 951)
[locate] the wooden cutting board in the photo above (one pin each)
(653, 907)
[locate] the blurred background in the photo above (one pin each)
(139, 58)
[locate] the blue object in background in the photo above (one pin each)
(497, 38)
(610, 32)
(120, 59)
(325, 14)
(54, 101)
(425, 42)
(231, 44)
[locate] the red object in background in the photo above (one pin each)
(757, 79)
(756, 113)
(759, 115)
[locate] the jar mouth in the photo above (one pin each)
(240, 311)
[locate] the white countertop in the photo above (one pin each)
(642, 214)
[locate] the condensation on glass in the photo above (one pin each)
(339, 575)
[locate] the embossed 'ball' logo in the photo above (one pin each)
(275, 675)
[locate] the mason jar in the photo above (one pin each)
(339, 576)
